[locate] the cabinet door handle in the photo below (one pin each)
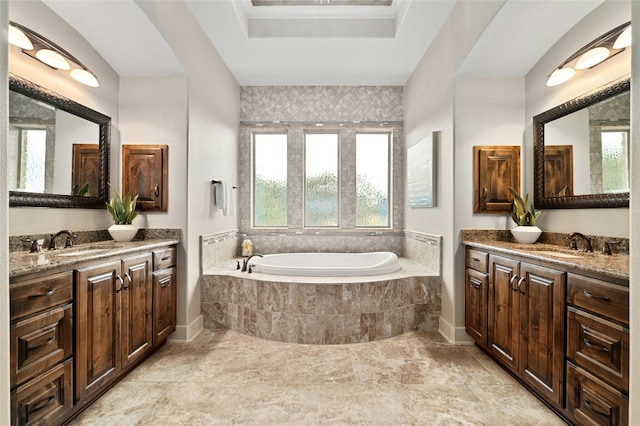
(165, 258)
(595, 346)
(41, 404)
(128, 280)
(511, 281)
(119, 283)
(522, 286)
(45, 294)
(156, 191)
(484, 192)
(587, 403)
(475, 284)
(48, 342)
(592, 296)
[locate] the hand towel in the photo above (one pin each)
(224, 199)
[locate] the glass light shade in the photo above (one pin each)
(592, 57)
(623, 40)
(53, 59)
(560, 75)
(84, 77)
(18, 38)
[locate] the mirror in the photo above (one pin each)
(58, 150)
(581, 150)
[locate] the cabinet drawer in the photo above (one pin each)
(476, 259)
(164, 258)
(28, 297)
(599, 346)
(592, 402)
(39, 342)
(44, 400)
(600, 297)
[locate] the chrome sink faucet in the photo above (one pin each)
(586, 241)
(68, 243)
(245, 262)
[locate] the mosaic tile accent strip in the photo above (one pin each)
(426, 249)
(218, 248)
(321, 103)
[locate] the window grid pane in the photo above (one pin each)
(270, 179)
(321, 179)
(372, 179)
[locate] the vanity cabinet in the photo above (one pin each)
(114, 328)
(565, 336)
(597, 351)
(76, 332)
(41, 352)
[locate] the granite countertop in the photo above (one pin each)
(615, 265)
(23, 262)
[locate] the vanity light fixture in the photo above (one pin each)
(49, 53)
(599, 50)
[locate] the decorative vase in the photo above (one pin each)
(123, 233)
(526, 234)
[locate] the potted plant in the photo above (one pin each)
(525, 216)
(123, 211)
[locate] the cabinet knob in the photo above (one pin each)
(156, 191)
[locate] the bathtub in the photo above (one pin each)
(326, 264)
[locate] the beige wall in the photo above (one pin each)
(429, 107)
(4, 223)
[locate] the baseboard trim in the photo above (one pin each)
(455, 335)
(186, 333)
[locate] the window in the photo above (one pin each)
(33, 160)
(270, 179)
(615, 170)
(321, 179)
(372, 179)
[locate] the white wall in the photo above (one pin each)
(539, 98)
(429, 107)
(4, 222)
(213, 118)
(38, 17)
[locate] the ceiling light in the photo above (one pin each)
(599, 50)
(592, 58)
(49, 53)
(623, 40)
(84, 77)
(560, 75)
(18, 38)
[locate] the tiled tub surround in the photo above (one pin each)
(321, 310)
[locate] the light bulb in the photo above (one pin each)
(592, 57)
(560, 75)
(18, 38)
(53, 59)
(623, 40)
(84, 77)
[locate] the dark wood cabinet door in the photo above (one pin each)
(496, 169)
(164, 304)
(85, 168)
(542, 318)
(136, 309)
(98, 290)
(504, 326)
(145, 173)
(476, 292)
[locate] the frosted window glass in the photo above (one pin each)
(615, 171)
(321, 179)
(372, 179)
(34, 150)
(270, 183)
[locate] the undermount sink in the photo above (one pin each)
(558, 254)
(81, 252)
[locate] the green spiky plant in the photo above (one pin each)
(123, 210)
(520, 214)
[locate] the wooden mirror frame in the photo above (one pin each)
(573, 201)
(32, 199)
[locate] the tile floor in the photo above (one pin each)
(228, 378)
